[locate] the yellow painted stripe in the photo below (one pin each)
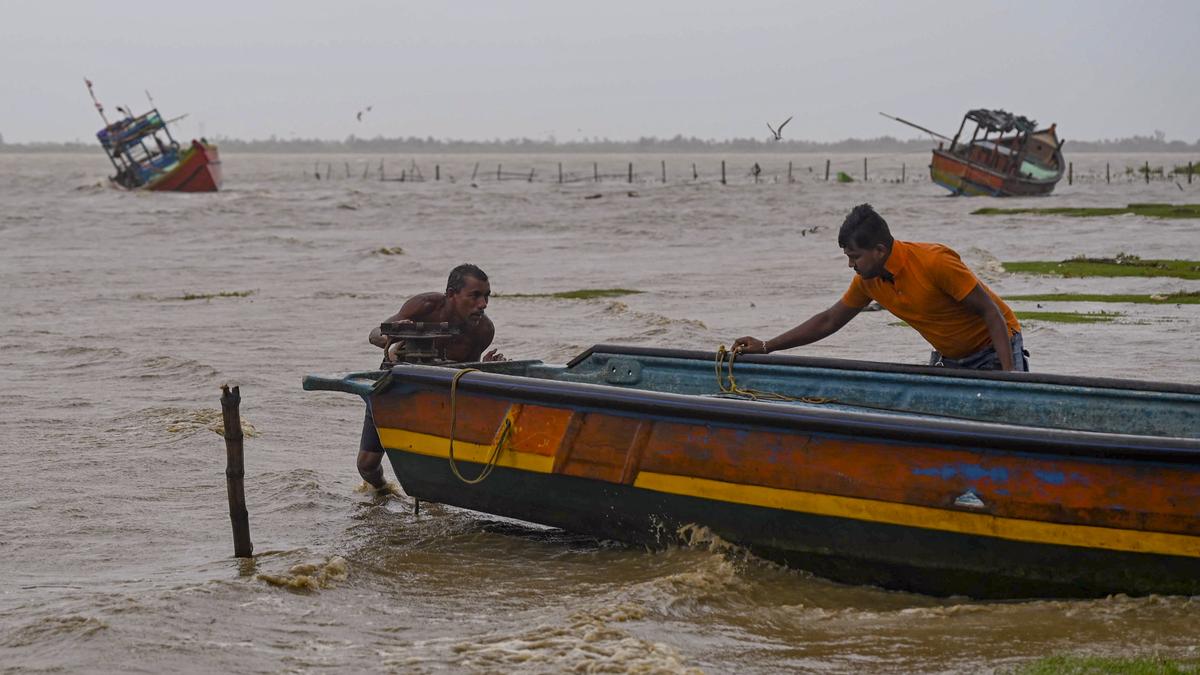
(439, 446)
(924, 517)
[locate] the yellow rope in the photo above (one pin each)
(728, 385)
(490, 465)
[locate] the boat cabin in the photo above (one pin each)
(137, 150)
(1017, 148)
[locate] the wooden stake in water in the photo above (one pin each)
(790, 179)
(235, 472)
(723, 172)
(595, 172)
(664, 171)
(560, 173)
(437, 172)
(864, 169)
(903, 170)
(1189, 173)
(826, 171)
(1107, 175)
(1070, 173)
(1147, 173)
(631, 172)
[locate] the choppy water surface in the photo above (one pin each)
(114, 532)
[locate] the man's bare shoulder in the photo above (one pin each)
(422, 307)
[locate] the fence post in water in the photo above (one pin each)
(1107, 175)
(664, 171)
(1189, 173)
(1147, 173)
(695, 174)
(631, 172)
(903, 171)
(235, 472)
(560, 173)
(864, 169)
(826, 171)
(1070, 173)
(437, 171)
(723, 172)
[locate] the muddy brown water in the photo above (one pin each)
(115, 542)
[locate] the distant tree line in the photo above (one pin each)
(646, 144)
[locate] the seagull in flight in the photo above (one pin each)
(360, 113)
(777, 134)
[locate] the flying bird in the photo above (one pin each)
(360, 113)
(778, 133)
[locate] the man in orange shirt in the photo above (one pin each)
(927, 286)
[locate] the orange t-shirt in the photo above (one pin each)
(928, 284)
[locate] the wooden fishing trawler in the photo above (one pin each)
(147, 156)
(990, 485)
(1019, 161)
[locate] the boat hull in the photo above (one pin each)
(968, 178)
(914, 499)
(199, 170)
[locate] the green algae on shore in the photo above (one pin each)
(1150, 210)
(581, 294)
(1123, 265)
(1068, 317)
(1054, 317)
(1063, 664)
(1180, 298)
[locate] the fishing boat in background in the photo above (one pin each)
(147, 156)
(1019, 161)
(939, 481)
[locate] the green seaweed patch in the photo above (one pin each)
(1182, 298)
(1068, 317)
(389, 250)
(1053, 317)
(1184, 169)
(1123, 265)
(581, 294)
(844, 177)
(210, 296)
(1090, 665)
(1149, 210)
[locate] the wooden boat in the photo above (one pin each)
(1019, 161)
(990, 485)
(146, 155)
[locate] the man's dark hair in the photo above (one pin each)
(459, 274)
(864, 229)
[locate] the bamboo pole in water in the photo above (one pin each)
(722, 172)
(235, 472)
(826, 171)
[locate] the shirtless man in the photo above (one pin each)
(462, 306)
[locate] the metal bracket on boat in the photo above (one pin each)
(623, 371)
(415, 342)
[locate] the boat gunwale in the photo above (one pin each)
(742, 413)
(904, 368)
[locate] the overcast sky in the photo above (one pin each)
(616, 69)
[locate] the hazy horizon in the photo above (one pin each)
(624, 70)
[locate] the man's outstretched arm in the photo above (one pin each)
(819, 326)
